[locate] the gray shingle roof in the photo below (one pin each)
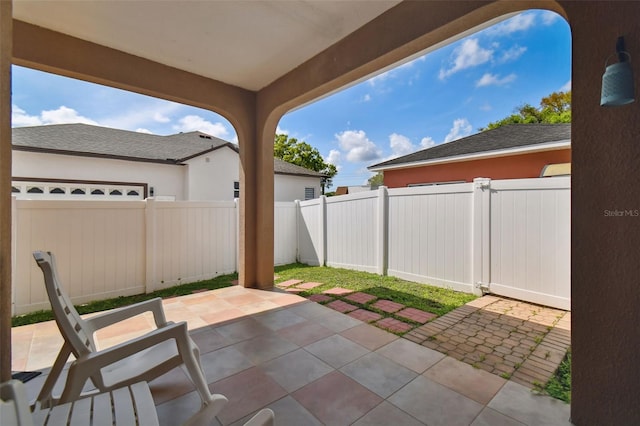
(103, 141)
(88, 140)
(505, 137)
(284, 168)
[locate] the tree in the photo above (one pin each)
(555, 108)
(302, 154)
(376, 180)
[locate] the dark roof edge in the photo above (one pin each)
(95, 155)
(319, 175)
(206, 151)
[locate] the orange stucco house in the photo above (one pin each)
(515, 151)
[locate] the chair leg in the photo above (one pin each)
(45, 398)
(191, 358)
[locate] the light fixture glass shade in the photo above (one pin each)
(617, 85)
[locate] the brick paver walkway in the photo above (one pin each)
(340, 306)
(365, 316)
(416, 315)
(514, 339)
(360, 297)
(388, 306)
(393, 325)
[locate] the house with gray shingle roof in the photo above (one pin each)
(84, 161)
(515, 151)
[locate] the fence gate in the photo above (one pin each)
(530, 240)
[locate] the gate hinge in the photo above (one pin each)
(483, 286)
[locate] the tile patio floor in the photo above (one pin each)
(310, 364)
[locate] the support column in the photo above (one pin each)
(6, 41)
(256, 204)
(605, 259)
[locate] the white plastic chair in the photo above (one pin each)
(140, 359)
(128, 406)
(14, 407)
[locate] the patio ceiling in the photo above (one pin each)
(247, 44)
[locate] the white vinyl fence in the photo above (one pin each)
(107, 249)
(510, 237)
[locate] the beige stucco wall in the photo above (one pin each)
(605, 268)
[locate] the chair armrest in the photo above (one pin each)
(111, 317)
(88, 365)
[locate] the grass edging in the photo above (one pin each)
(117, 302)
(559, 385)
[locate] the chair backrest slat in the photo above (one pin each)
(73, 327)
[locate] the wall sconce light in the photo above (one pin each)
(617, 80)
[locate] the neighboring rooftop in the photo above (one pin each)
(513, 136)
(96, 141)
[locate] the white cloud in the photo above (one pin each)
(142, 114)
(427, 142)
(461, 128)
(513, 53)
(548, 17)
(489, 79)
(193, 123)
(143, 130)
(161, 118)
(281, 131)
(366, 98)
(400, 145)
(468, 54)
(485, 107)
(357, 146)
(333, 157)
(62, 115)
(20, 118)
(566, 87)
(521, 22)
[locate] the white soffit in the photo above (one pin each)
(244, 43)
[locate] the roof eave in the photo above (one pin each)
(318, 176)
(528, 149)
(95, 155)
(207, 151)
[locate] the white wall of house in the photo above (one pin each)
(211, 176)
(290, 188)
(166, 179)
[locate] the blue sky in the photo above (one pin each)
(439, 97)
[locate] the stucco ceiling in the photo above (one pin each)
(244, 43)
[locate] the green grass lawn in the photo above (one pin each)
(420, 296)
